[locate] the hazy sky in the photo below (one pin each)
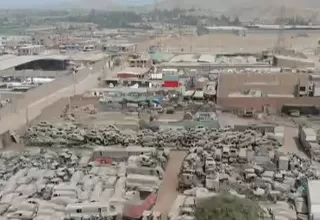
(52, 2)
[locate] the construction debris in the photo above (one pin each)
(67, 134)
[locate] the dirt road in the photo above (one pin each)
(168, 189)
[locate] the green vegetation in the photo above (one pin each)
(16, 21)
(227, 207)
(291, 21)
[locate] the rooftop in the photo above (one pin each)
(10, 61)
(134, 70)
(271, 83)
(313, 192)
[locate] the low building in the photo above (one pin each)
(31, 50)
(308, 140)
(267, 92)
(142, 62)
(171, 81)
(118, 48)
(239, 31)
(292, 62)
(314, 199)
(137, 73)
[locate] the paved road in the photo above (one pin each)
(168, 189)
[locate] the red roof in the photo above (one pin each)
(135, 211)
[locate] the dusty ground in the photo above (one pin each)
(168, 189)
(222, 42)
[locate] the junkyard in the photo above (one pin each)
(159, 121)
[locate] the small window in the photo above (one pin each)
(79, 210)
(99, 210)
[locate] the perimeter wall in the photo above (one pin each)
(260, 103)
(30, 104)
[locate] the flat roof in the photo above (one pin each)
(294, 59)
(134, 70)
(226, 28)
(19, 60)
(142, 177)
(8, 62)
(313, 192)
(30, 46)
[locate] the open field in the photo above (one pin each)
(225, 42)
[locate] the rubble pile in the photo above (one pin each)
(71, 114)
(72, 135)
(257, 171)
(271, 179)
(206, 138)
(62, 135)
(46, 185)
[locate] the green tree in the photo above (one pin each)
(236, 21)
(227, 207)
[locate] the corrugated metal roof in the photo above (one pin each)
(134, 70)
(161, 56)
(19, 60)
(294, 59)
(171, 78)
(314, 192)
(208, 58)
(185, 58)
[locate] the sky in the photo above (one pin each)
(29, 3)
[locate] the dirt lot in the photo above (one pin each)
(168, 189)
(225, 42)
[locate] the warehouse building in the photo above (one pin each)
(31, 50)
(314, 199)
(292, 62)
(264, 92)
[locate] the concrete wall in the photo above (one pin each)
(31, 104)
(5, 140)
(259, 103)
(33, 73)
(292, 63)
(272, 83)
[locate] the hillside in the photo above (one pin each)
(250, 9)
(266, 10)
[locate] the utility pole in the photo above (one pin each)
(74, 82)
(279, 47)
(27, 116)
(157, 21)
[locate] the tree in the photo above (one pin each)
(227, 207)
(236, 21)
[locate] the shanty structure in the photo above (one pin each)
(171, 81)
(133, 73)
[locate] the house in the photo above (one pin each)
(171, 81)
